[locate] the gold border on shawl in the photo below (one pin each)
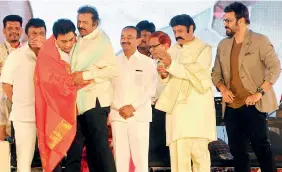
(59, 132)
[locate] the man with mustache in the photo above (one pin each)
(187, 98)
(17, 77)
(93, 59)
(246, 67)
(131, 111)
(12, 31)
(21, 8)
(146, 28)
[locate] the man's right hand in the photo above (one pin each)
(162, 72)
(226, 94)
(37, 42)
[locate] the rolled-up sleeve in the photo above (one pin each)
(270, 60)
(9, 69)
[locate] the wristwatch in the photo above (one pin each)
(260, 90)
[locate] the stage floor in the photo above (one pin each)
(161, 169)
(213, 169)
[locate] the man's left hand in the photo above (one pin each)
(164, 57)
(126, 111)
(253, 99)
(78, 78)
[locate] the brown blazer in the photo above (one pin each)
(258, 62)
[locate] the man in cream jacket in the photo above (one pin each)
(93, 59)
(187, 98)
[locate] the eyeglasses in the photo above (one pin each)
(154, 46)
(228, 20)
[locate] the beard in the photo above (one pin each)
(230, 33)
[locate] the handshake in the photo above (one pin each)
(78, 80)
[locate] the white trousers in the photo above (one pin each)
(183, 151)
(131, 138)
(5, 156)
(25, 135)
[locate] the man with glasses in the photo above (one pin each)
(158, 151)
(246, 67)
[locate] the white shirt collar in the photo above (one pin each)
(29, 51)
(136, 55)
(10, 48)
(64, 56)
(60, 50)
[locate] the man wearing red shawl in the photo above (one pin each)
(55, 96)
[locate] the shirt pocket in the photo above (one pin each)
(251, 61)
(138, 77)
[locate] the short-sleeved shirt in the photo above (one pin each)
(18, 71)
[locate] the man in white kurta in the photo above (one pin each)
(188, 98)
(131, 111)
(93, 59)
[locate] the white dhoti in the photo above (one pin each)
(5, 156)
(183, 151)
(25, 136)
(131, 138)
(189, 129)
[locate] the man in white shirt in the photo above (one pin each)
(131, 111)
(93, 59)
(17, 78)
(12, 31)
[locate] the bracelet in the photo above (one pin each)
(260, 90)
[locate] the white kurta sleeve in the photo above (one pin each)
(195, 72)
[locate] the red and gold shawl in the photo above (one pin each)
(55, 105)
